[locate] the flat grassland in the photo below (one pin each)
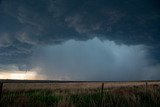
(80, 94)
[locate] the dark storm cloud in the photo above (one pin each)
(54, 21)
(26, 24)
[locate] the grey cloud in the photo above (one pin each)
(152, 72)
(94, 60)
(15, 54)
(84, 22)
(5, 40)
(23, 37)
(77, 22)
(7, 68)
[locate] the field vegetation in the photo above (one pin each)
(118, 94)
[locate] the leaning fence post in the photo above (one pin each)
(1, 89)
(102, 94)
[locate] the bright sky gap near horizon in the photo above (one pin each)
(99, 40)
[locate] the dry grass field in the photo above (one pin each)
(72, 85)
(80, 94)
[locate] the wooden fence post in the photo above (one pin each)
(1, 89)
(102, 94)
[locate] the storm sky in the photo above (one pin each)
(108, 40)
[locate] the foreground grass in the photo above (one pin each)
(136, 96)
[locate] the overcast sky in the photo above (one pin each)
(107, 40)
